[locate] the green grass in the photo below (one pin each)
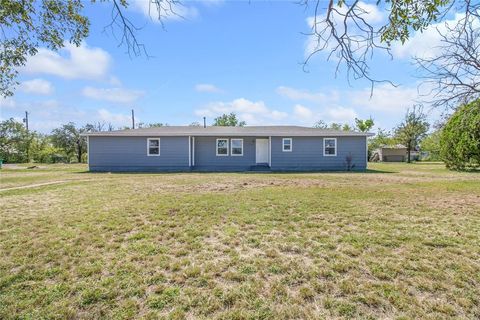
(401, 241)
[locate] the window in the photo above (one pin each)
(153, 146)
(287, 144)
(222, 147)
(329, 146)
(237, 147)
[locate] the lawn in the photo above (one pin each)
(400, 241)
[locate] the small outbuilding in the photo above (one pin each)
(396, 153)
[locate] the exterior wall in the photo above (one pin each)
(206, 158)
(130, 154)
(393, 154)
(307, 154)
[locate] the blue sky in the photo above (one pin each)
(223, 57)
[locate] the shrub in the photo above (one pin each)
(460, 139)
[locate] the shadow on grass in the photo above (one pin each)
(238, 172)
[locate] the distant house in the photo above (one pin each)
(189, 148)
(396, 153)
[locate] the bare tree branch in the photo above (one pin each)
(453, 75)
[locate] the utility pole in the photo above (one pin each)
(25, 120)
(133, 119)
(204, 122)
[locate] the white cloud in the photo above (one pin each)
(426, 43)
(205, 87)
(386, 98)
(37, 86)
(341, 114)
(167, 11)
(8, 102)
(302, 112)
(299, 94)
(117, 95)
(249, 111)
(116, 119)
(71, 62)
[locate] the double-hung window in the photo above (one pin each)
(287, 144)
(222, 147)
(329, 146)
(237, 147)
(153, 146)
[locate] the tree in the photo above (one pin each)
(412, 129)
(195, 124)
(28, 25)
(228, 120)
(453, 74)
(431, 144)
(460, 138)
(31, 24)
(364, 125)
(343, 29)
(14, 141)
(151, 125)
(347, 33)
(320, 124)
(68, 138)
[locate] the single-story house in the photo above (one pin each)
(215, 148)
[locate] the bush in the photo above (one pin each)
(460, 139)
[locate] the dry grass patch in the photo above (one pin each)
(385, 244)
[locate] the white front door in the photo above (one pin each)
(261, 151)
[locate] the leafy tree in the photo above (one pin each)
(364, 125)
(151, 125)
(68, 138)
(431, 144)
(460, 138)
(412, 129)
(14, 141)
(228, 120)
(195, 124)
(43, 151)
(30, 24)
(320, 124)
(342, 28)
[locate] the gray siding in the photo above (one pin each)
(130, 154)
(307, 154)
(206, 158)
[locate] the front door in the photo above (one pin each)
(261, 151)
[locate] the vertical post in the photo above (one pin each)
(133, 119)
(189, 151)
(204, 122)
(25, 120)
(193, 151)
(269, 151)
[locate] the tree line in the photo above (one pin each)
(456, 141)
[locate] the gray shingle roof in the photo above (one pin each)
(229, 131)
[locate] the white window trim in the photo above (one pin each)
(216, 148)
(148, 147)
(231, 147)
(283, 144)
(336, 147)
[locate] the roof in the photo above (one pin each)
(228, 131)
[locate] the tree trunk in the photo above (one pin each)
(409, 147)
(79, 154)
